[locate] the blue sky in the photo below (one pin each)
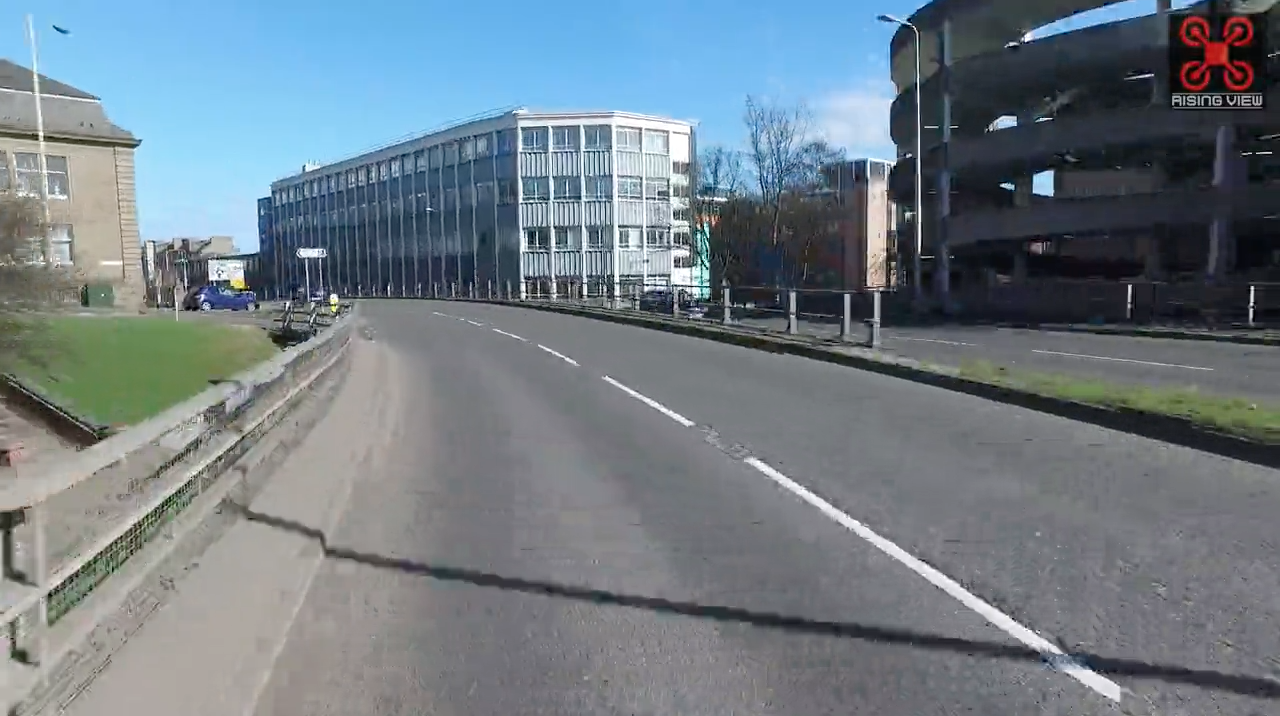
(229, 95)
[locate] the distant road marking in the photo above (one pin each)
(511, 335)
(650, 402)
(474, 323)
(1122, 360)
(437, 313)
(559, 355)
(930, 340)
(1054, 656)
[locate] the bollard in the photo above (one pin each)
(1253, 303)
(488, 290)
(873, 323)
(435, 290)
(471, 290)
(725, 299)
(1128, 302)
(793, 323)
(846, 317)
(635, 298)
(508, 289)
(453, 289)
(419, 290)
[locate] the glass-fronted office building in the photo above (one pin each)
(531, 203)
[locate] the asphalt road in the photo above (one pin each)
(542, 540)
(1223, 368)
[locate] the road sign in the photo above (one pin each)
(305, 253)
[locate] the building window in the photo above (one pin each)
(564, 139)
(680, 214)
(657, 237)
(362, 175)
(468, 195)
(599, 187)
(395, 167)
(656, 142)
(630, 187)
(450, 198)
(628, 139)
(351, 177)
(567, 188)
(682, 261)
(533, 139)
(628, 237)
(681, 238)
(681, 168)
(484, 192)
(657, 188)
(382, 171)
(598, 137)
(468, 149)
(435, 156)
(482, 146)
(450, 154)
(565, 237)
(506, 142)
(332, 183)
(537, 239)
(28, 172)
(534, 189)
(506, 192)
(597, 237)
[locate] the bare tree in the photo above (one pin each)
(30, 285)
(784, 154)
(720, 172)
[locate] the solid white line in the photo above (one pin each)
(1122, 360)
(437, 313)
(929, 340)
(474, 323)
(511, 335)
(1053, 655)
(559, 355)
(651, 403)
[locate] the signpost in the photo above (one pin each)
(307, 255)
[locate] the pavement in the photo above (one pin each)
(1229, 369)
(562, 516)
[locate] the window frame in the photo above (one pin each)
(544, 244)
(575, 194)
(534, 139)
(624, 185)
(541, 192)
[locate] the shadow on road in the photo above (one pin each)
(1245, 685)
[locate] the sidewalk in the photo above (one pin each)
(209, 651)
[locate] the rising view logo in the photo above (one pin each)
(1216, 61)
(1237, 75)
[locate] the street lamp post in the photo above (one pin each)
(46, 243)
(916, 264)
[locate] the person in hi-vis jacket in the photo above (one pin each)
(333, 302)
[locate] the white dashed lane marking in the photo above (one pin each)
(1054, 656)
(1121, 360)
(559, 355)
(511, 335)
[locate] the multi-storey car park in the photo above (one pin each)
(535, 203)
(1139, 188)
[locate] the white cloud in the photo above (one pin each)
(857, 119)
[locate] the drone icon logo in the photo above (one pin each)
(1237, 75)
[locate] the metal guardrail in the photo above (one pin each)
(68, 526)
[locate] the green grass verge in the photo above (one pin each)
(1237, 416)
(120, 371)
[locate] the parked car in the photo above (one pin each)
(220, 298)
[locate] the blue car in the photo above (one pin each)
(220, 298)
